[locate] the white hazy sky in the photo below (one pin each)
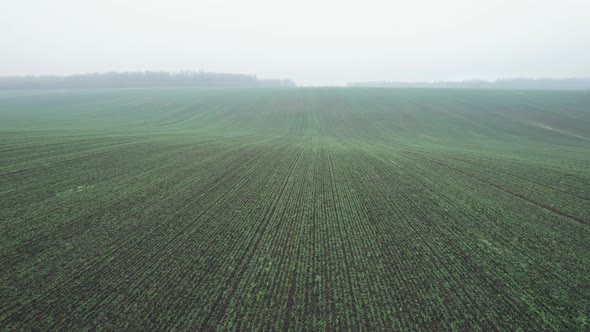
(313, 42)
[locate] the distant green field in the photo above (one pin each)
(295, 209)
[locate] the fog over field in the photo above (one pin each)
(304, 165)
(312, 42)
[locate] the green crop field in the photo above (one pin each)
(295, 209)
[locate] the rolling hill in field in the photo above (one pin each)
(302, 209)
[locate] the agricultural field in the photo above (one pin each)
(295, 209)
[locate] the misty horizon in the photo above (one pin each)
(314, 44)
(203, 78)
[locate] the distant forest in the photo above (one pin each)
(140, 79)
(508, 83)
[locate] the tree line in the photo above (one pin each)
(507, 83)
(140, 79)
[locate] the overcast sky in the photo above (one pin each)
(313, 42)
